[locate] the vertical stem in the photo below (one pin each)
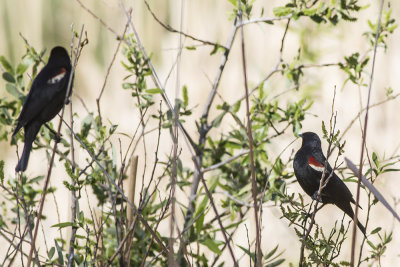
(171, 259)
(131, 197)
(258, 255)
(74, 199)
(364, 137)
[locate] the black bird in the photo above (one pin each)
(308, 166)
(45, 99)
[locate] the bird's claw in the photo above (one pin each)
(316, 197)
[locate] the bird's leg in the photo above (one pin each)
(57, 137)
(316, 197)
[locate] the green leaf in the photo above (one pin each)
(236, 107)
(6, 64)
(217, 121)
(309, 11)
(371, 244)
(8, 77)
(185, 96)
(2, 171)
(282, 11)
(190, 47)
(13, 90)
(245, 250)
(200, 223)
(63, 225)
(22, 67)
(50, 254)
(275, 263)
(212, 245)
(59, 252)
(376, 230)
(375, 159)
(202, 206)
(154, 91)
(272, 252)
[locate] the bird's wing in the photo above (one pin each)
(44, 88)
(337, 188)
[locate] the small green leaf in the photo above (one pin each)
(200, 223)
(22, 67)
(282, 11)
(212, 245)
(275, 263)
(309, 11)
(245, 250)
(272, 252)
(59, 252)
(6, 64)
(63, 225)
(8, 77)
(50, 254)
(376, 230)
(2, 171)
(13, 90)
(371, 244)
(185, 96)
(236, 107)
(202, 205)
(190, 47)
(154, 91)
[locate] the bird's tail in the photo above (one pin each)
(23, 162)
(346, 207)
(362, 228)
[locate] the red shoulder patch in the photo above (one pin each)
(313, 161)
(62, 70)
(316, 165)
(58, 77)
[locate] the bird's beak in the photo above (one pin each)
(301, 135)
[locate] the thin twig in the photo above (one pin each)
(100, 20)
(74, 200)
(258, 254)
(170, 29)
(109, 70)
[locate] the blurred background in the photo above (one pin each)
(45, 24)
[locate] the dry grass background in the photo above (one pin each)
(47, 23)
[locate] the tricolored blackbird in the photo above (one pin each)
(45, 99)
(308, 166)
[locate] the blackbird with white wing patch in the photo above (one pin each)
(308, 166)
(45, 99)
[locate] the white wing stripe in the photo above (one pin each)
(58, 77)
(317, 168)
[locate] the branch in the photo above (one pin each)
(258, 255)
(371, 188)
(170, 29)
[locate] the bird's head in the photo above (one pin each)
(311, 139)
(59, 56)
